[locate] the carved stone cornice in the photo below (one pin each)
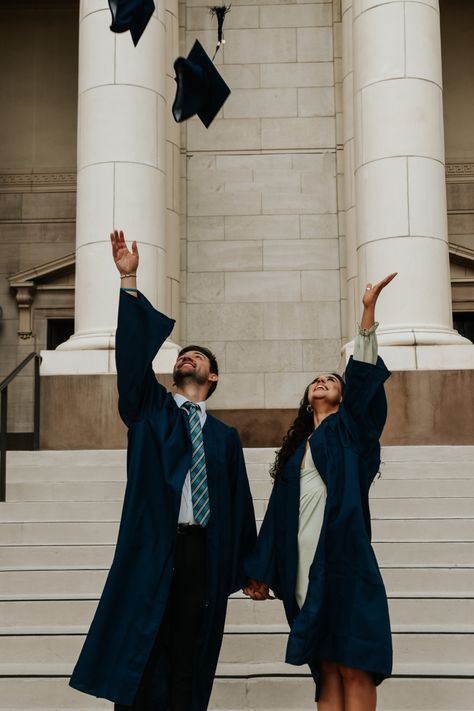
(460, 172)
(38, 182)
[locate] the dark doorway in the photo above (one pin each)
(464, 323)
(59, 330)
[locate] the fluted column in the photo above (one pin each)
(400, 192)
(121, 179)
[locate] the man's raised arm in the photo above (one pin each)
(141, 331)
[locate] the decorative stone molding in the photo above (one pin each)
(24, 299)
(460, 172)
(37, 182)
(25, 283)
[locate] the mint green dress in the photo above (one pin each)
(313, 488)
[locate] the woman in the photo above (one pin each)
(314, 548)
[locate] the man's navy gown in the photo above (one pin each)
(134, 599)
(345, 615)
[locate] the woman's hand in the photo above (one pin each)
(371, 294)
(257, 590)
(126, 261)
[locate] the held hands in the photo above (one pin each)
(257, 591)
(126, 261)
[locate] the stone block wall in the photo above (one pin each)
(260, 259)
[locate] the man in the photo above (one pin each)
(187, 524)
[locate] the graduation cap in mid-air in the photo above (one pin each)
(132, 15)
(200, 88)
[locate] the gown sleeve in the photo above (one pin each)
(364, 404)
(261, 564)
(244, 527)
(141, 331)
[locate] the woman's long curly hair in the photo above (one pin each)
(300, 430)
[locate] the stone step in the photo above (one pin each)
(265, 688)
(97, 490)
(54, 511)
(105, 532)
(405, 554)
(256, 646)
(399, 582)
(417, 614)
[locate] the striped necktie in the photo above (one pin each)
(199, 490)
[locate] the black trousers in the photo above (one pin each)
(166, 684)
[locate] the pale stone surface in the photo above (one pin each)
(423, 42)
(224, 255)
(297, 74)
(140, 213)
(241, 76)
(382, 193)
(317, 132)
(239, 390)
(246, 133)
(287, 391)
(137, 65)
(307, 254)
(229, 322)
(300, 203)
(321, 355)
(261, 46)
(321, 285)
(316, 101)
(402, 117)
(208, 204)
(95, 191)
(264, 356)
(318, 226)
(250, 103)
(262, 286)
(380, 39)
(427, 216)
(206, 228)
(314, 44)
(418, 261)
(205, 287)
(290, 15)
(302, 320)
(244, 16)
(92, 32)
(118, 123)
(264, 227)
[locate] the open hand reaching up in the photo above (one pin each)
(126, 261)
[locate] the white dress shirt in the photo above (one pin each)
(186, 508)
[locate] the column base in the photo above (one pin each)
(421, 349)
(99, 361)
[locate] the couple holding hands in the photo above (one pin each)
(187, 536)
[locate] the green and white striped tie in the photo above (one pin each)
(199, 489)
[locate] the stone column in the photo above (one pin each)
(121, 178)
(400, 191)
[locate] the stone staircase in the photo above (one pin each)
(57, 532)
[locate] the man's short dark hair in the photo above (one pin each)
(214, 368)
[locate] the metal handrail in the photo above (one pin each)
(4, 420)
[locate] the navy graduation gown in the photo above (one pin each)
(345, 615)
(130, 610)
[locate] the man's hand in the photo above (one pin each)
(126, 261)
(257, 590)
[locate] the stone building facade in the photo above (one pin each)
(328, 166)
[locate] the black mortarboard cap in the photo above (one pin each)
(132, 15)
(200, 88)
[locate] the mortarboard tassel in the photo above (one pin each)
(220, 12)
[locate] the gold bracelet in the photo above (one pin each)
(125, 276)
